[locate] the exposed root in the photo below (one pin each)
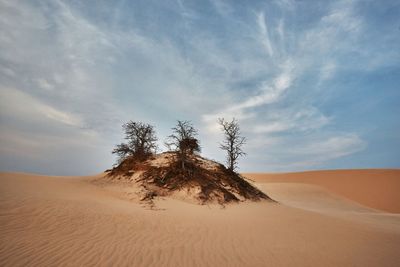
(162, 175)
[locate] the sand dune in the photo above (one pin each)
(375, 188)
(69, 221)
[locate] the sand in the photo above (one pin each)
(69, 221)
(375, 188)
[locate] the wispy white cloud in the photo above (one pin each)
(280, 29)
(268, 93)
(332, 147)
(305, 119)
(310, 51)
(265, 39)
(222, 7)
(273, 127)
(336, 31)
(262, 63)
(17, 104)
(305, 153)
(286, 4)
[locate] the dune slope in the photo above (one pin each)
(61, 221)
(375, 188)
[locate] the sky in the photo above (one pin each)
(313, 84)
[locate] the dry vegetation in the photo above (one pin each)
(203, 180)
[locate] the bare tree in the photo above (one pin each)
(183, 140)
(122, 150)
(233, 142)
(141, 143)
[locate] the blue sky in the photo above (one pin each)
(314, 84)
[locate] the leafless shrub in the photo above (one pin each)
(233, 142)
(183, 140)
(141, 141)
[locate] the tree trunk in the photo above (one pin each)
(231, 155)
(183, 158)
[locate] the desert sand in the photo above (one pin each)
(321, 220)
(376, 188)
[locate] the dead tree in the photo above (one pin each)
(183, 141)
(141, 141)
(233, 142)
(122, 151)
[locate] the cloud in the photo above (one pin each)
(273, 127)
(44, 84)
(7, 71)
(265, 39)
(20, 105)
(55, 100)
(269, 93)
(38, 137)
(327, 71)
(82, 70)
(278, 107)
(307, 119)
(305, 153)
(222, 7)
(332, 147)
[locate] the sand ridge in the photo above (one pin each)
(69, 221)
(375, 188)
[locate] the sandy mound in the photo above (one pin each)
(202, 181)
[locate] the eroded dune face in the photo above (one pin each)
(203, 181)
(58, 221)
